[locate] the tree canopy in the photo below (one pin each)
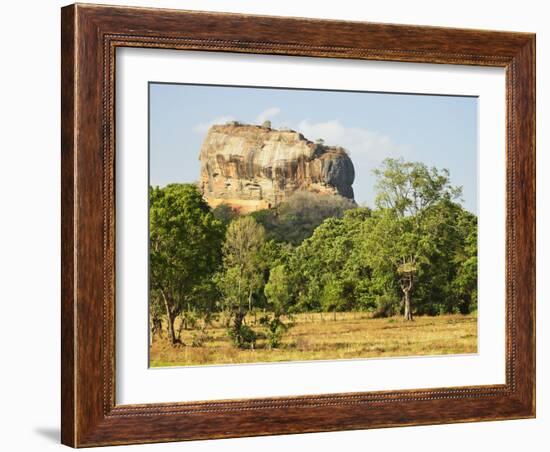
(414, 253)
(411, 187)
(296, 218)
(185, 251)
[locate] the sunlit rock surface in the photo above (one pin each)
(250, 167)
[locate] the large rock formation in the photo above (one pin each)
(252, 167)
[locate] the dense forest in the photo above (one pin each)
(414, 253)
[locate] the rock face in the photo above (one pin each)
(252, 167)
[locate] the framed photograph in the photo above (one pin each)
(281, 225)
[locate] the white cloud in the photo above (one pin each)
(358, 141)
(267, 114)
(204, 126)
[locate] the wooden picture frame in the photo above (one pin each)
(90, 36)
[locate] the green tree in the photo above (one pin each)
(410, 187)
(326, 272)
(446, 230)
(386, 239)
(278, 292)
(185, 251)
(464, 285)
(426, 254)
(390, 260)
(243, 275)
(409, 191)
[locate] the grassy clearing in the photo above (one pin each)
(344, 336)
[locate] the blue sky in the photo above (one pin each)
(439, 131)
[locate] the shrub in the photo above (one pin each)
(275, 330)
(244, 337)
(385, 307)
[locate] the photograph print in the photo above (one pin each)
(296, 225)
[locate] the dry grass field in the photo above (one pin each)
(316, 337)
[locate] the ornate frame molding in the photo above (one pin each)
(90, 36)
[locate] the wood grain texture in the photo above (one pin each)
(67, 224)
(90, 36)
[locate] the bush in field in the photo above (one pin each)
(386, 306)
(275, 330)
(243, 336)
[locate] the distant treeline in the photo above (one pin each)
(415, 253)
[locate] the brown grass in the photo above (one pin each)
(318, 337)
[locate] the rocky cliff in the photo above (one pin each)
(252, 167)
